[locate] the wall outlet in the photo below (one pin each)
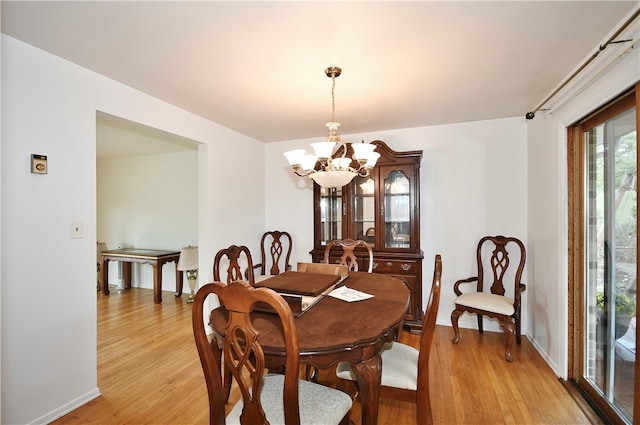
(76, 229)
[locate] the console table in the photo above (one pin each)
(156, 258)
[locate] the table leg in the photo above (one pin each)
(369, 374)
(157, 282)
(179, 281)
(126, 270)
(104, 270)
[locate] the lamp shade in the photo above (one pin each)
(188, 258)
(362, 150)
(323, 149)
(295, 156)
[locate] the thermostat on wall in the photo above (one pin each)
(38, 164)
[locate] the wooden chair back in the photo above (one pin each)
(275, 247)
(242, 352)
(348, 256)
(237, 256)
(493, 255)
(423, 409)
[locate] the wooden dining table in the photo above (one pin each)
(334, 330)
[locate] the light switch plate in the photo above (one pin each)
(76, 229)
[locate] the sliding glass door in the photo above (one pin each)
(608, 250)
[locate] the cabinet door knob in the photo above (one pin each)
(375, 265)
(389, 264)
(406, 267)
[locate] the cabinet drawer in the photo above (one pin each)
(381, 265)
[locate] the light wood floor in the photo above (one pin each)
(149, 373)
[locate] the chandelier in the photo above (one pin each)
(330, 166)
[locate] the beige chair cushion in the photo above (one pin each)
(399, 367)
(319, 405)
(488, 302)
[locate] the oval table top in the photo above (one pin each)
(335, 326)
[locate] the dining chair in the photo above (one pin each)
(405, 370)
(237, 256)
(266, 397)
(504, 259)
(348, 256)
(275, 252)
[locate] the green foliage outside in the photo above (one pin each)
(625, 305)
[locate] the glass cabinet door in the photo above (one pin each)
(397, 210)
(330, 214)
(363, 210)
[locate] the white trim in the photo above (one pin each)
(66, 408)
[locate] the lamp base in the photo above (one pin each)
(192, 288)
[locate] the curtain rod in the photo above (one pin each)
(611, 40)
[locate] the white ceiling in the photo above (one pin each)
(258, 67)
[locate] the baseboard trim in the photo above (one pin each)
(66, 408)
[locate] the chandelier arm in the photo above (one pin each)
(344, 148)
(299, 171)
(363, 172)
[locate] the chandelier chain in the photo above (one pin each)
(333, 96)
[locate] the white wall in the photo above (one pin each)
(547, 265)
(148, 201)
(471, 182)
(547, 211)
(48, 306)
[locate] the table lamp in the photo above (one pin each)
(188, 262)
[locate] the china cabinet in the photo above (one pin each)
(382, 209)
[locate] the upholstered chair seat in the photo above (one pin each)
(489, 302)
(399, 367)
(319, 405)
